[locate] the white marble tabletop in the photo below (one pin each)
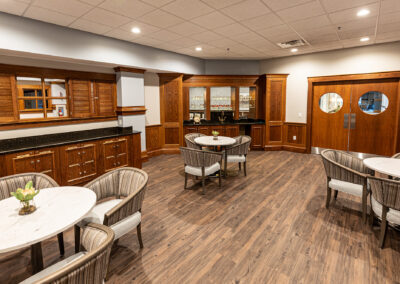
(388, 166)
(209, 141)
(57, 209)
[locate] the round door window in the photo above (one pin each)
(373, 102)
(330, 102)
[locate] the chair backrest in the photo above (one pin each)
(199, 158)
(10, 184)
(242, 148)
(386, 191)
(189, 139)
(92, 267)
(343, 166)
(119, 182)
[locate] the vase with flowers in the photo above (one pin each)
(215, 134)
(25, 196)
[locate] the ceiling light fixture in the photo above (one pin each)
(294, 50)
(363, 12)
(135, 30)
(199, 48)
(364, 39)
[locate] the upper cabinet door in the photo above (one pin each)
(8, 109)
(104, 96)
(81, 98)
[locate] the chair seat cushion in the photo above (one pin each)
(54, 268)
(236, 158)
(196, 171)
(393, 216)
(98, 211)
(126, 225)
(348, 187)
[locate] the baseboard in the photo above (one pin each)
(145, 156)
(298, 149)
(167, 151)
(273, 147)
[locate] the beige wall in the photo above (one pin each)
(152, 98)
(377, 58)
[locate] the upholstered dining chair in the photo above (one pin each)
(189, 139)
(345, 173)
(10, 184)
(200, 163)
(86, 267)
(238, 152)
(385, 203)
(121, 193)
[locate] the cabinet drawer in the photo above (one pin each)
(122, 160)
(121, 146)
(109, 163)
(73, 174)
(23, 164)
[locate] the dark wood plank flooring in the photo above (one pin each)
(268, 227)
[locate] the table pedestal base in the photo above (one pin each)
(36, 258)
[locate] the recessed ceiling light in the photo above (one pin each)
(364, 39)
(363, 12)
(199, 48)
(135, 30)
(294, 50)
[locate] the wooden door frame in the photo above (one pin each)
(348, 78)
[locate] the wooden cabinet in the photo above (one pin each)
(78, 163)
(8, 109)
(232, 130)
(42, 161)
(219, 128)
(104, 98)
(80, 96)
(257, 137)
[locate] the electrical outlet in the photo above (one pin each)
(294, 138)
(300, 114)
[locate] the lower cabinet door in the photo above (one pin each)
(232, 130)
(204, 130)
(219, 128)
(257, 137)
(45, 162)
(22, 164)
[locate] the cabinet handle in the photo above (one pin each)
(84, 152)
(38, 161)
(80, 173)
(118, 163)
(115, 164)
(84, 172)
(32, 162)
(79, 153)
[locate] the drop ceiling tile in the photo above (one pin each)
(223, 43)
(356, 42)
(120, 34)
(263, 22)
(351, 14)
(186, 29)
(171, 46)
(213, 20)
(185, 42)
(92, 2)
(392, 18)
(390, 6)
(84, 25)
(23, 1)
(102, 16)
(48, 16)
(160, 19)
(70, 7)
(157, 3)
(358, 24)
(283, 37)
(390, 36)
(128, 8)
(311, 23)
(304, 11)
(187, 9)
(206, 36)
(318, 35)
(232, 30)
(328, 45)
(246, 9)
(164, 35)
(277, 30)
(144, 40)
(219, 4)
(13, 7)
(248, 37)
(144, 28)
(338, 5)
(277, 5)
(389, 27)
(263, 45)
(356, 33)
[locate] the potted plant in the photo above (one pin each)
(215, 134)
(25, 196)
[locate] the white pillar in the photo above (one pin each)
(130, 100)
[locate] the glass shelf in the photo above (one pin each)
(197, 96)
(247, 102)
(222, 98)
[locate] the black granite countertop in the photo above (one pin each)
(14, 145)
(233, 122)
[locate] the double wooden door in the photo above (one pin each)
(350, 128)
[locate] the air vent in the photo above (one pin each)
(291, 43)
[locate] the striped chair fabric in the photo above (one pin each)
(238, 152)
(189, 139)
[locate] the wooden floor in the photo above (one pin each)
(268, 227)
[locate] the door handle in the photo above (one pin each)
(352, 121)
(346, 121)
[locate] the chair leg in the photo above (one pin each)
(335, 194)
(383, 227)
(77, 232)
(220, 173)
(364, 204)
(139, 234)
(245, 168)
(240, 166)
(328, 196)
(60, 238)
(203, 182)
(225, 167)
(186, 177)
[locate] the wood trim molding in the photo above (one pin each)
(129, 69)
(351, 77)
(52, 122)
(132, 110)
(144, 156)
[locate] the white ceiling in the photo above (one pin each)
(249, 28)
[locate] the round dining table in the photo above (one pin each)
(387, 166)
(58, 209)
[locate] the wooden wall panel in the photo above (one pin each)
(171, 101)
(171, 135)
(275, 101)
(8, 110)
(80, 98)
(297, 143)
(105, 96)
(275, 133)
(257, 137)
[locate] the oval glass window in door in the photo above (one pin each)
(373, 102)
(330, 102)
